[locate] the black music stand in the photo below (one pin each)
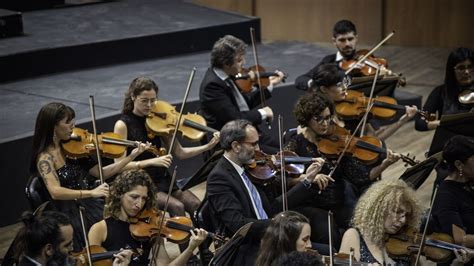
(201, 174)
(449, 126)
(415, 176)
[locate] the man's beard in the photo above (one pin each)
(59, 259)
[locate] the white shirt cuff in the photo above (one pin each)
(263, 114)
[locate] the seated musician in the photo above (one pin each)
(288, 231)
(314, 114)
(328, 80)
(70, 181)
(138, 103)
(454, 204)
(132, 192)
(444, 99)
(222, 101)
(234, 201)
(46, 239)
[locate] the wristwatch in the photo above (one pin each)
(306, 183)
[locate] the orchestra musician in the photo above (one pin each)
(459, 76)
(70, 181)
(132, 192)
(138, 103)
(222, 101)
(235, 201)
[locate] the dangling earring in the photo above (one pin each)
(460, 172)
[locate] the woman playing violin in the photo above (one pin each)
(288, 231)
(328, 80)
(444, 99)
(454, 203)
(132, 192)
(139, 101)
(388, 207)
(68, 180)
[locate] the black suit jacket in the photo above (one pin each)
(218, 104)
(301, 82)
(231, 207)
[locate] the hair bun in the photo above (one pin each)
(28, 218)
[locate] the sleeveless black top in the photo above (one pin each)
(119, 236)
(136, 130)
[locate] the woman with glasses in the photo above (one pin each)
(331, 81)
(314, 114)
(139, 101)
(459, 77)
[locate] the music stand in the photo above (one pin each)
(449, 126)
(415, 176)
(201, 174)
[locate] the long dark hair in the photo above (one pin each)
(136, 87)
(48, 117)
(457, 56)
(280, 237)
(457, 148)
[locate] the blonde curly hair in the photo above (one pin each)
(376, 204)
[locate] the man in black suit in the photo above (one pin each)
(221, 99)
(345, 39)
(234, 201)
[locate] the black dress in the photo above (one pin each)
(136, 130)
(74, 174)
(119, 236)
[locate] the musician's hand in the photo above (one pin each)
(462, 256)
(322, 181)
(315, 167)
(198, 235)
(123, 258)
(269, 113)
(410, 111)
(100, 191)
(163, 161)
(392, 157)
(274, 80)
(140, 149)
(215, 140)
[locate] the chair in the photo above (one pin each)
(36, 192)
(202, 219)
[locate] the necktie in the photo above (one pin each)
(257, 201)
(243, 106)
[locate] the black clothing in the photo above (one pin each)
(75, 175)
(231, 207)
(301, 82)
(119, 236)
(454, 205)
(136, 130)
(438, 101)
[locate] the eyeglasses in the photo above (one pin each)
(462, 68)
(321, 119)
(254, 144)
(145, 101)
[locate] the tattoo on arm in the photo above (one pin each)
(44, 167)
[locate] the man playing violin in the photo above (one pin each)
(235, 201)
(222, 101)
(46, 239)
(132, 192)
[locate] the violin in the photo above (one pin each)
(264, 167)
(467, 96)
(355, 105)
(247, 78)
(112, 145)
(338, 258)
(366, 67)
(366, 149)
(176, 229)
(99, 256)
(162, 122)
(438, 247)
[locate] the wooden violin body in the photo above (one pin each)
(247, 78)
(162, 122)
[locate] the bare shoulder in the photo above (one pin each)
(98, 233)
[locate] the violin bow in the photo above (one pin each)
(362, 59)
(282, 164)
(370, 103)
(171, 147)
(88, 250)
(331, 254)
(425, 229)
(257, 72)
(99, 158)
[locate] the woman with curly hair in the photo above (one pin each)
(288, 231)
(132, 192)
(388, 207)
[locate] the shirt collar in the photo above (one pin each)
(339, 56)
(32, 260)
(237, 167)
(220, 73)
